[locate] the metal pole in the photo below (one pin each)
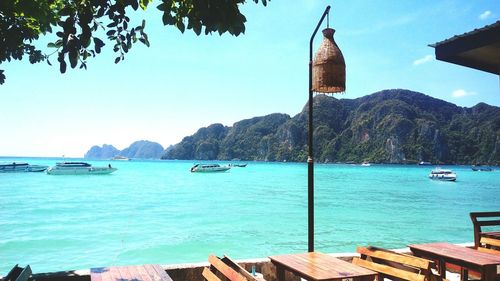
(310, 158)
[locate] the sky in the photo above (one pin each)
(184, 82)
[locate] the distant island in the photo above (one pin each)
(140, 150)
(390, 126)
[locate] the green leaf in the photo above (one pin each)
(144, 4)
(134, 4)
(180, 25)
(62, 66)
(117, 60)
(73, 58)
(167, 19)
(51, 45)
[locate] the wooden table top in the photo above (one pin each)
(458, 253)
(147, 272)
(319, 266)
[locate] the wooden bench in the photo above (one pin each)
(395, 266)
(486, 241)
(18, 273)
(226, 268)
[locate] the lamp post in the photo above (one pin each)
(326, 75)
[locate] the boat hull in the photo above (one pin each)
(22, 168)
(211, 170)
(80, 171)
(443, 177)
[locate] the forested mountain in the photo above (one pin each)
(390, 126)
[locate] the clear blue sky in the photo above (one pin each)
(184, 82)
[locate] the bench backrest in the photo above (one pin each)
(395, 265)
(480, 219)
(18, 274)
(225, 268)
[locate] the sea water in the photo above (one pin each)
(159, 212)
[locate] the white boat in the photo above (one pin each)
(78, 168)
(120, 158)
(238, 165)
(443, 174)
(16, 167)
(365, 164)
(209, 168)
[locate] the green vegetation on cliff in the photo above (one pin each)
(390, 126)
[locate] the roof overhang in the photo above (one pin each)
(478, 49)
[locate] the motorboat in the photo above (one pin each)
(365, 164)
(209, 168)
(15, 167)
(120, 158)
(481, 168)
(78, 168)
(424, 163)
(238, 165)
(443, 174)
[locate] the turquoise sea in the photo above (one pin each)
(159, 212)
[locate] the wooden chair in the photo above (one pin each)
(486, 241)
(227, 269)
(396, 266)
(18, 273)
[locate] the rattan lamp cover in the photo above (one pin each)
(328, 71)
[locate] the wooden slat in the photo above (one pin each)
(395, 257)
(161, 272)
(486, 250)
(484, 214)
(388, 270)
(227, 271)
(238, 268)
(488, 222)
(134, 272)
(25, 274)
(209, 275)
(143, 274)
(490, 241)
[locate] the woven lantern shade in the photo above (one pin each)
(328, 71)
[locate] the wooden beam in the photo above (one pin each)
(227, 271)
(209, 275)
(388, 270)
(396, 257)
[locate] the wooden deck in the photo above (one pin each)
(148, 272)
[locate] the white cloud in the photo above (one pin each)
(485, 15)
(460, 93)
(423, 60)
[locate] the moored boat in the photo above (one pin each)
(481, 168)
(209, 168)
(120, 158)
(443, 174)
(238, 165)
(366, 164)
(78, 168)
(424, 163)
(16, 167)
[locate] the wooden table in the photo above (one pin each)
(488, 265)
(148, 272)
(316, 266)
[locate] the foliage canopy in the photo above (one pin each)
(76, 24)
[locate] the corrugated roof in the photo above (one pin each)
(475, 31)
